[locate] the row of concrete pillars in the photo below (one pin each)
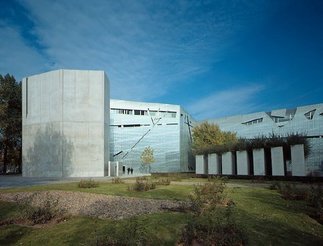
(257, 162)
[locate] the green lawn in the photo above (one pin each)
(266, 218)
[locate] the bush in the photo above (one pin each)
(275, 186)
(208, 196)
(213, 228)
(41, 213)
(132, 232)
(117, 180)
(315, 200)
(291, 192)
(162, 181)
(89, 183)
(142, 184)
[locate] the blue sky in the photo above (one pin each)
(215, 58)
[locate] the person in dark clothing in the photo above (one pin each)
(128, 169)
(131, 170)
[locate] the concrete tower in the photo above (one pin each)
(65, 124)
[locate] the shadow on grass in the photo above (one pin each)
(11, 234)
(264, 231)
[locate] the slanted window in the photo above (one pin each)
(252, 122)
(141, 112)
(121, 111)
(310, 114)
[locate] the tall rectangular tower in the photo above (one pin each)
(65, 124)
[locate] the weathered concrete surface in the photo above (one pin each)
(298, 160)
(214, 164)
(65, 124)
(277, 161)
(242, 163)
(228, 164)
(259, 162)
(201, 164)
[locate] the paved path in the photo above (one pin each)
(10, 181)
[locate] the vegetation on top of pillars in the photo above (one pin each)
(208, 138)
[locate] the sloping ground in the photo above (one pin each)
(94, 205)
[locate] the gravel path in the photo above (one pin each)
(94, 205)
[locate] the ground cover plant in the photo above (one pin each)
(88, 183)
(257, 216)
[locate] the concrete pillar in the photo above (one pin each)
(201, 164)
(243, 163)
(298, 160)
(227, 163)
(277, 161)
(259, 162)
(214, 164)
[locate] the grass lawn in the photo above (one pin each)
(266, 218)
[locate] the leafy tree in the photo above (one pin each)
(147, 157)
(10, 121)
(207, 135)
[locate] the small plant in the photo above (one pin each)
(291, 192)
(142, 184)
(275, 186)
(213, 228)
(41, 213)
(315, 200)
(132, 232)
(208, 196)
(162, 181)
(117, 180)
(89, 183)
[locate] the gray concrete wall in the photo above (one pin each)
(228, 163)
(259, 162)
(201, 164)
(242, 163)
(277, 161)
(298, 160)
(65, 124)
(213, 164)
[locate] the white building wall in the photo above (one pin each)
(65, 114)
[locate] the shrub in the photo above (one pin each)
(213, 228)
(142, 184)
(42, 212)
(132, 232)
(275, 186)
(162, 181)
(315, 200)
(291, 192)
(208, 196)
(89, 183)
(117, 180)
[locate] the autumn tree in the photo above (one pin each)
(10, 121)
(207, 135)
(147, 158)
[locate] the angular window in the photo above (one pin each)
(310, 114)
(252, 122)
(141, 112)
